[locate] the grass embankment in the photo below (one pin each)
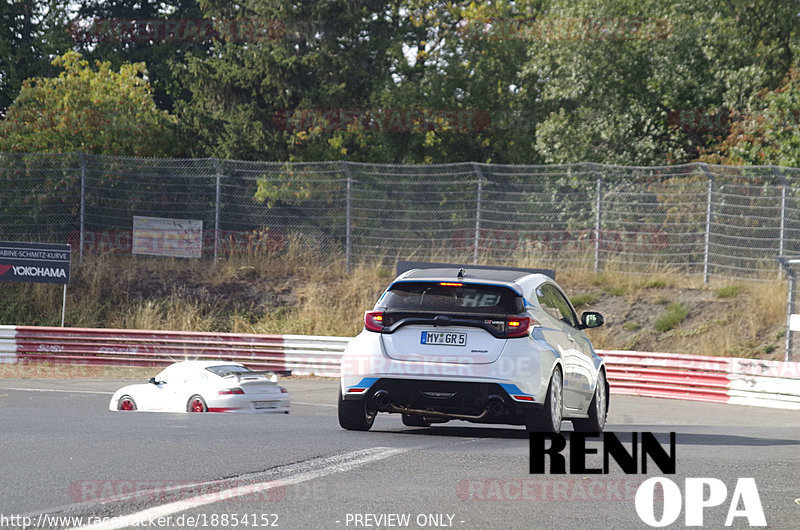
(306, 292)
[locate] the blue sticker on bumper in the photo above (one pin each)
(514, 390)
(364, 383)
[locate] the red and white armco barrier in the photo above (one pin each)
(732, 380)
(118, 347)
(675, 376)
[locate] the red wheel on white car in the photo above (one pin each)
(126, 403)
(196, 404)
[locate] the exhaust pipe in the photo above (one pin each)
(382, 401)
(496, 406)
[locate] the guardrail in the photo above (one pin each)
(731, 380)
(303, 355)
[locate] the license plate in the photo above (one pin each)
(265, 404)
(441, 338)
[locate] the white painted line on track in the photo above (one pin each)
(333, 464)
(65, 391)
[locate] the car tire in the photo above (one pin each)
(412, 420)
(549, 417)
(355, 415)
(196, 404)
(126, 402)
(598, 408)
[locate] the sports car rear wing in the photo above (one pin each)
(405, 266)
(267, 373)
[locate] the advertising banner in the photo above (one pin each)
(177, 238)
(34, 262)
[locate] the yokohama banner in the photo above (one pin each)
(34, 262)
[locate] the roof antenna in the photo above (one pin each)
(460, 273)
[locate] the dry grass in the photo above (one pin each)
(334, 305)
(172, 313)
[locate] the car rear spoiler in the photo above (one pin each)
(405, 266)
(267, 373)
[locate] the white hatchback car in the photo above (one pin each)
(205, 386)
(480, 344)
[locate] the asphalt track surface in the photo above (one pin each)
(63, 454)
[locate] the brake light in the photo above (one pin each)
(229, 391)
(283, 390)
(451, 284)
(519, 326)
(373, 321)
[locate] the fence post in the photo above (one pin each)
(348, 215)
(787, 265)
(217, 202)
(598, 219)
(82, 161)
(707, 248)
(782, 232)
(478, 202)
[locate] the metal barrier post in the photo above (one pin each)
(218, 173)
(782, 233)
(707, 246)
(597, 220)
(348, 215)
(789, 311)
(82, 160)
(786, 264)
(478, 201)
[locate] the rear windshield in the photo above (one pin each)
(224, 369)
(452, 297)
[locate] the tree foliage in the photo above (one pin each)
(769, 133)
(31, 33)
(104, 30)
(97, 111)
(506, 81)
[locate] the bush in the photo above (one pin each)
(728, 292)
(584, 299)
(672, 316)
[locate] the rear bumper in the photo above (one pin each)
(484, 402)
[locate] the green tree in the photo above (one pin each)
(105, 30)
(446, 61)
(769, 133)
(318, 55)
(31, 33)
(608, 96)
(96, 110)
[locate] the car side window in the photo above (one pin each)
(554, 303)
(195, 377)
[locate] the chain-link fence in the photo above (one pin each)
(695, 218)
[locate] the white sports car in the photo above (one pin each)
(480, 344)
(205, 386)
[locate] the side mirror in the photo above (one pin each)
(591, 319)
(153, 381)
